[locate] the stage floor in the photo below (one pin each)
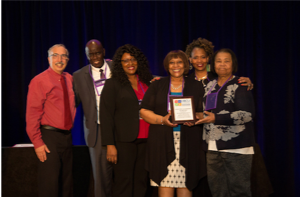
(19, 174)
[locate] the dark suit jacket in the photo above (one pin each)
(119, 115)
(85, 93)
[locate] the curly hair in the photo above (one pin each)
(143, 70)
(200, 43)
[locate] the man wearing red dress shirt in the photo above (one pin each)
(49, 118)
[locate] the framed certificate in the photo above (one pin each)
(182, 109)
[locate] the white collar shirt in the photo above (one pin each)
(96, 76)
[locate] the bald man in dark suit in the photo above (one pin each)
(88, 83)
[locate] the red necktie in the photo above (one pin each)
(67, 111)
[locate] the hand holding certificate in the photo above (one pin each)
(166, 122)
(210, 118)
(182, 109)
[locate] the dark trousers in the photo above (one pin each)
(102, 169)
(228, 174)
(130, 177)
(55, 174)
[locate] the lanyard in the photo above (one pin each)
(211, 98)
(99, 82)
(140, 85)
(220, 88)
(173, 95)
(140, 100)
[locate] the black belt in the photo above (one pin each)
(55, 129)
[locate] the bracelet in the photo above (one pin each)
(161, 121)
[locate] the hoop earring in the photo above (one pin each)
(191, 66)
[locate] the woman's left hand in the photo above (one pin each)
(245, 81)
(210, 118)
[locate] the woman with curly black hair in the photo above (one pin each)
(123, 131)
(200, 51)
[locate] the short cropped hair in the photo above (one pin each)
(233, 57)
(57, 45)
(177, 54)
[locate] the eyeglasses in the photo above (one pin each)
(98, 54)
(63, 56)
(128, 60)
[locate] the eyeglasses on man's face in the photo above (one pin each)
(63, 56)
(133, 60)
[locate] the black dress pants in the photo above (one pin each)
(130, 176)
(55, 174)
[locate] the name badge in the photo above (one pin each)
(100, 82)
(211, 101)
(140, 102)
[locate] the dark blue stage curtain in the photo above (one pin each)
(264, 35)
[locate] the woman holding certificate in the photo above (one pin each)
(228, 129)
(122, 130)
(200, 52)
(174, 157)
